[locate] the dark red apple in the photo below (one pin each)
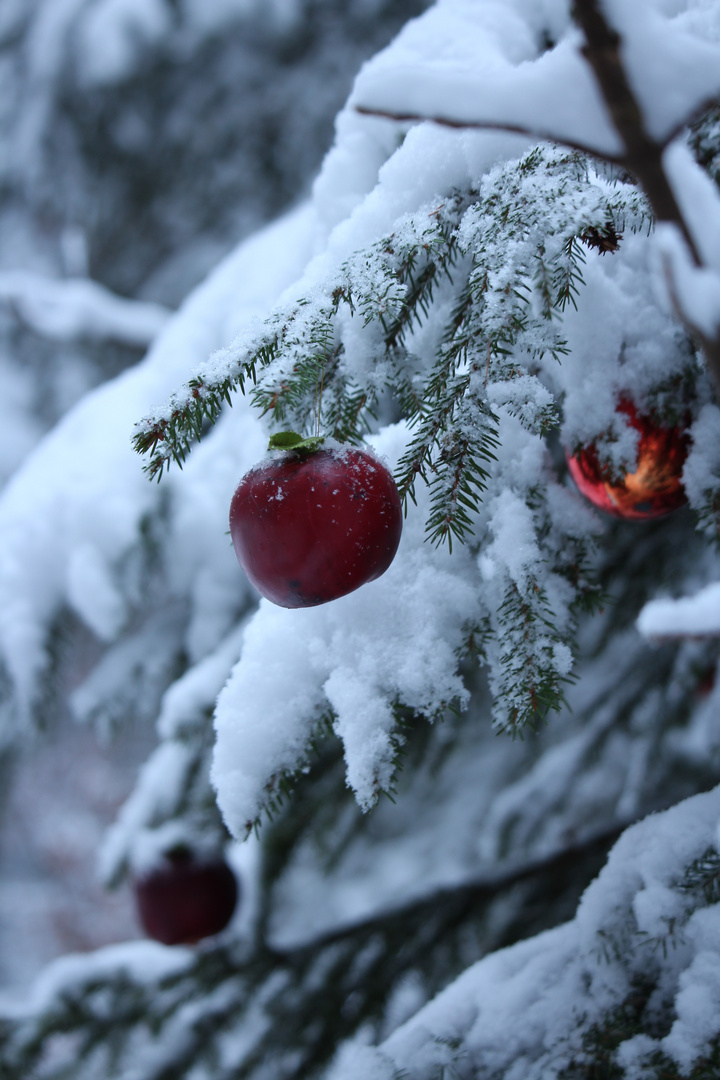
(185, 898)
(653, 489)
(309, 527)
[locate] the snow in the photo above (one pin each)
(691, 616)
(691, 289)
(19, 431)
(498, 77)
(111, 32)
(80, 308)
(73, 519)
(92, 594)
(698, 999)
(290, 676)
(60, 501)
(138, 959)
(558, 980)
(480, 64)
(694, 291)
(655, 42)
(698, 199)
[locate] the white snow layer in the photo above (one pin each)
(559, 982)
(691, 616)
(80, 308)
(482, 63)
(632, 921)
(73, 509)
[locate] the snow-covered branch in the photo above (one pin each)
(607, 96)
(78, 308)
(692, 616)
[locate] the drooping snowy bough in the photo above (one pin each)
(516, 228)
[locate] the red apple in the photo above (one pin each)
(309, 527)
(185, 898)
(653, 489)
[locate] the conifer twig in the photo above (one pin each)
(642, 156)
(483, 125)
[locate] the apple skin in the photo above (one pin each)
(654, 489)
(311, 527)
(185, 899)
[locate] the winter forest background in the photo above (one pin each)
(532, 683)
(140, 143)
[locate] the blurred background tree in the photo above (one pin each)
(139, 143)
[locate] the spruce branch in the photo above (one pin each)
(391, 286)
(703, 875)
(704, 141)
(533, 659)
(495, 336)
(531, 131)
(304, 994)
(642, 154)
(708, 515)
(168, 436)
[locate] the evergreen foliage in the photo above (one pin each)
(480, 335)
(505, 261)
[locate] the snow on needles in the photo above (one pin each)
(558, 982)
(73, 510)
(511, 82)
(394, 639)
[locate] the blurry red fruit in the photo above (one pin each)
(185, 898)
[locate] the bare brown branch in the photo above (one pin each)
(642, 157)
(483, 125)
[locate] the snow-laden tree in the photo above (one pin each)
(139, 143)
(511, 246)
